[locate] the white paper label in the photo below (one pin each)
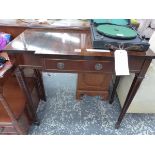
(97, 50)
(92, 50)
(121, 62)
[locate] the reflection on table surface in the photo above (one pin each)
(46, 22)
(49, 42)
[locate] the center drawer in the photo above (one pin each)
(78, 65)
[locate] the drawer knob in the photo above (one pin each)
(98, 66)
(60, 65)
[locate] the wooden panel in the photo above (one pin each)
(26, 60)
(14, 31)
(94, 81)
(93, 84)
(135, 64)
(51, 64)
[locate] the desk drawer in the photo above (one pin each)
(78, 65)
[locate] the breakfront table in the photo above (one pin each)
(55, 51)
(93, 84)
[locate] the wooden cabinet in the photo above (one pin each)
(93, 84)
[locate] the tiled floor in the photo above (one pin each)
(63, 115)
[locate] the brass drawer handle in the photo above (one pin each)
(98, 66)
(60, 65)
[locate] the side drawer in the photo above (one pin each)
(78, 65)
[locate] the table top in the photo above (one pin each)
(47, 23)
(48, 42)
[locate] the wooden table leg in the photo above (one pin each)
(40, 84)
(24, 86)
(133, 89)
(117, 79)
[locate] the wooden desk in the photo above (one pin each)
(94, 84)
(61, 56)
(87, 83)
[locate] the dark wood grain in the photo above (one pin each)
(62, 45)
(93, 84)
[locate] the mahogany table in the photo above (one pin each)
(87, 83)
(59, 52)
